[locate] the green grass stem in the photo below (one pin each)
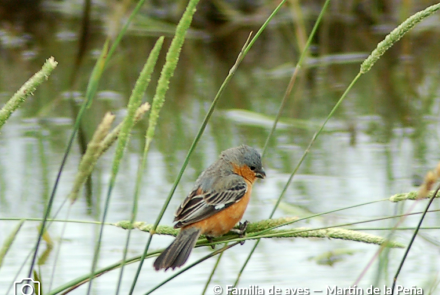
(145, 76)
(396, 35)
(123, 138)
(254, 233)
(190, 151)
(167, 73)
(217, 262)
(393, 37)
(75, 283)
(248, 45)
(381, 48)
(398, 228)
(63, 162)
(171, 60)
(413, 239)
(272, 131)
(9, 240)
(57, 254)
(55, 220)
(267, 229)
(412, 196)
(92, 86)
(86, 166)
(100, 66)
(26, 90)
(200, 132)
(90, 93)
(88, 161)
(212, 254)
(289, 88)
(111, 138)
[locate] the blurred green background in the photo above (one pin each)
(381, 141)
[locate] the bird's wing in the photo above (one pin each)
(200, 204)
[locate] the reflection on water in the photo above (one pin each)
(381, 141)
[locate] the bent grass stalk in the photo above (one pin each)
(255, 228)
(258, 227)
(317, 232)
(413, 196)
(398, 228)
(333, 231)
(323, 232)
(125, 224)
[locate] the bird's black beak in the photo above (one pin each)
(260, 173)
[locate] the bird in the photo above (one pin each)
(215, 204)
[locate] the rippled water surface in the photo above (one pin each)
(381, 141)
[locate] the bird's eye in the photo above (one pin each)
(252, 168)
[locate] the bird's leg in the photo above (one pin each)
(241, 230)
(210, 240)
(242, 226)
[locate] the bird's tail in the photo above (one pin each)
(178, 252)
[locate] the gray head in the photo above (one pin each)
(245, 155)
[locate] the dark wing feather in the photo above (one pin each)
(199, 205)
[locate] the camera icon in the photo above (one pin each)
(27, 287)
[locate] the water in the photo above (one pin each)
(381, 141)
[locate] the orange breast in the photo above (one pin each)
(223, 221)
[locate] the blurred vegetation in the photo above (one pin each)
(397, 101)
(402, 95)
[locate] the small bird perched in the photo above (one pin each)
(215, 204)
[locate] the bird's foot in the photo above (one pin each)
(241, 230)
(210, 240)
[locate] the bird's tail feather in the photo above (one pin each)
(178, 252)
